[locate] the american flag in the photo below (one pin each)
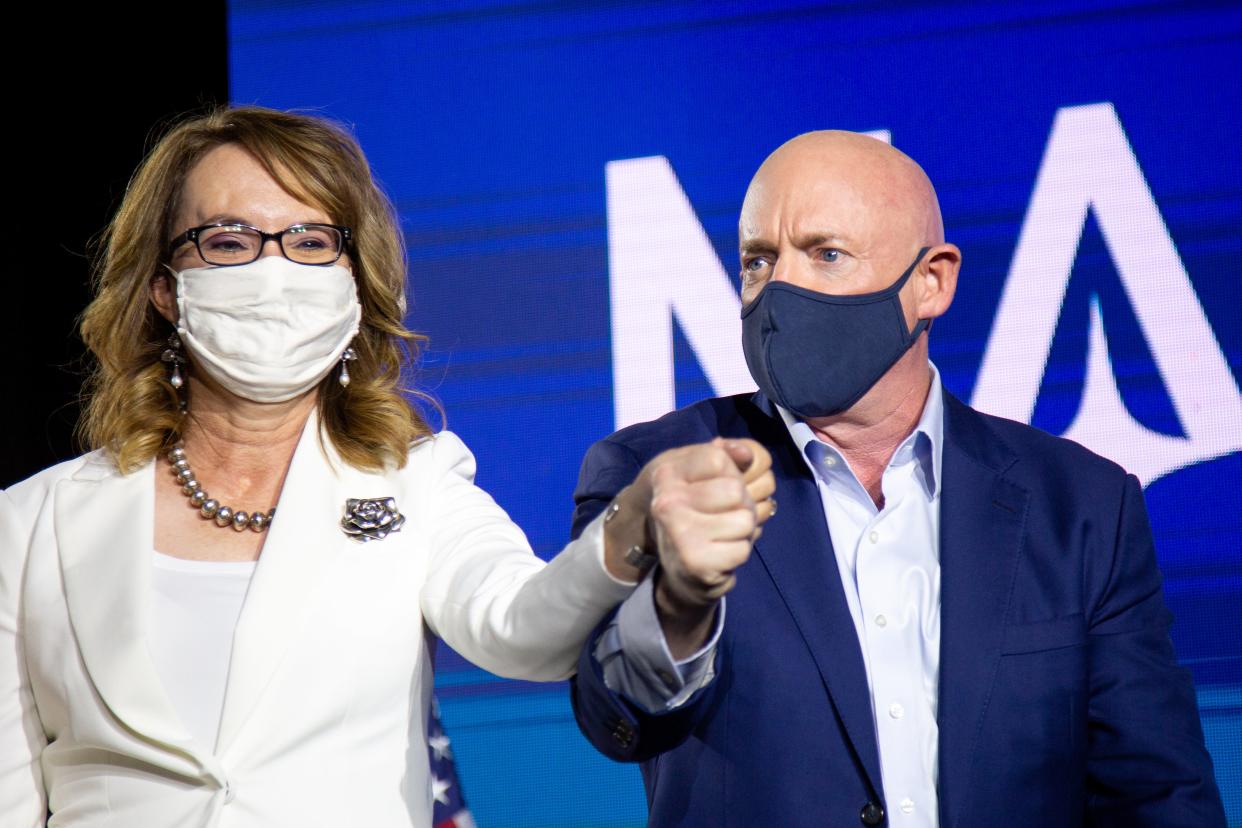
(450, 804)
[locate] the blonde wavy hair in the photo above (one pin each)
(129, 407)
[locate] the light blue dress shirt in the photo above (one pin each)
(889, 563)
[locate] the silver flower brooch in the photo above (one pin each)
(368, 519)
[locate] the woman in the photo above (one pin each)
(224, 613)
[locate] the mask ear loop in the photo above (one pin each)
(892, 294)
(175, 275)
(922, 324)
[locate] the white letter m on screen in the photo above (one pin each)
(662, 266)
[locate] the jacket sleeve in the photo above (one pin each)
(488, 595)
(21, 735)
(1146, 764)
(617, 727)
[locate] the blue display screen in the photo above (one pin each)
(569, 177)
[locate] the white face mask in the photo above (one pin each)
(269, 330)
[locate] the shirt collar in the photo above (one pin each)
(925, 442)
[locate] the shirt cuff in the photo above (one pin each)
(636, 660)
(594, 534)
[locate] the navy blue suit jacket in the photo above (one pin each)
(1061, 703)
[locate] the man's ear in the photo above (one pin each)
(937, 280)
(164, 296)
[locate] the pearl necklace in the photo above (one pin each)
(209, 507)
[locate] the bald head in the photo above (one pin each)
(834, 211)
(878, 185)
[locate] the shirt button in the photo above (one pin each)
(907, 806)
(896, 711)
(874, 537)
(829, 460)
(230, 793)
(665, 676)
(881, 621)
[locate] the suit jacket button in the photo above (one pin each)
(871, 814)
(622, 733)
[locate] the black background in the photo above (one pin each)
(95, 90)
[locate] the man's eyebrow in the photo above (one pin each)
(816, 239)
(756, 246)
(801, 242)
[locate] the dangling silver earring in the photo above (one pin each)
(175, 359)
(347, 357)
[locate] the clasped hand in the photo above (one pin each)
(706, 505)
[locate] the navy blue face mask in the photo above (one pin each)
(817, 354)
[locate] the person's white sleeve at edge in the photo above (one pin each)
(489, 596)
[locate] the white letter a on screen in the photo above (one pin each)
(1089, 165)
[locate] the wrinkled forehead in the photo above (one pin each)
(811, 201)
(231, 183)
(845, 193)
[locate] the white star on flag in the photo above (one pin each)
(439, 787)
(440, 745)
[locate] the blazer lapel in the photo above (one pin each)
(105, 527)
(301, 542)
(982, 520)
(797, 553)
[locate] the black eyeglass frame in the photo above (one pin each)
(192, 235)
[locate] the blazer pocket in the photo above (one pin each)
(1038, 636)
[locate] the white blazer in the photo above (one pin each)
(331, 675)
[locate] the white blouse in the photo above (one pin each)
(194, 612)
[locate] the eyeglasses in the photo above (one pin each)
(239, 244)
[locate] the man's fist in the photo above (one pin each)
(700, 508)
(705, 514)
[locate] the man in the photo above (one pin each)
(953, 619)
